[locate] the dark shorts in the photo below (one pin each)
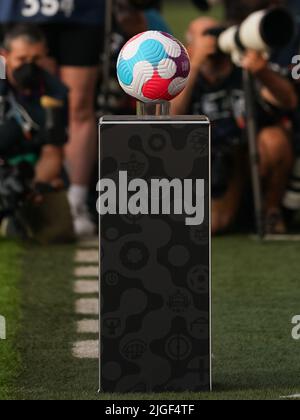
(75, 45)
(72, 45)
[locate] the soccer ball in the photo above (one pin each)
(153, 67)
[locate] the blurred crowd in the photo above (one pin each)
(54, 92)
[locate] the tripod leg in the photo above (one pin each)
(253, 153)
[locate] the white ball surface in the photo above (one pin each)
(153, 67)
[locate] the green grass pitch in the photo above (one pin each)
(255, 296)
(10, 307)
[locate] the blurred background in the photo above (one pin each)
(50, 102)
(187, 11)
(61, 78)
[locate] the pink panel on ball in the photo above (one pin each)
(157, 88)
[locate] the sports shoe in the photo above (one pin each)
(275, 224)
(291, 200)
(82, 221)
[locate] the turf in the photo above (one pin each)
(10, 276)
(48, 328)
(180, 13)
(255, 295)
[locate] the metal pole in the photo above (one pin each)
(107, 52)
(253, 153)
(157, 109)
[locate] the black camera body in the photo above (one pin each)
(216, 32)
(262, 31)
(15, 186)
(202, 5)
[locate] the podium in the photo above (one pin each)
(155, 274)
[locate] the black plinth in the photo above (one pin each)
(155, 268)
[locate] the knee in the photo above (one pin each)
(220, 222)
(274, 139)
(81, 108)
(275, 147)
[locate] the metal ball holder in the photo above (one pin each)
(153, 109)
(154, 205)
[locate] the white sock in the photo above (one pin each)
(78, 195)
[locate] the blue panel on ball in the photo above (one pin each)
(150, 50)
(125, 72)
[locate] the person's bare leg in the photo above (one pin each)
(225, 209)
(81, 151)
(276, 160)
(276, 157)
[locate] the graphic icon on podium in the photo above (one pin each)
(156, 311)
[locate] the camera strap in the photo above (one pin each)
(2, 109)
(19, 113)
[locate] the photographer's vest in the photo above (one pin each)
(89, 12)
(29, 116)
(9, 109)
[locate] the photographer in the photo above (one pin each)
(74, 31)
(216, 89)
(33, 122)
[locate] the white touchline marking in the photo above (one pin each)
(89, 243)
(85, 284)
(88, 326)
(86, 287)
(87, 271)
(87, 306)
(282, 238)
(279, 238)
(87, 256)
(86, 349)
(291, 397)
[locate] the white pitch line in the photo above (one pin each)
(88, 326)
(86, 349)
(86, 287)
(87, 307)
(87, 271)
(282, 238)
(87, 256)
(89, 243)
(278, 238)
(291, 397)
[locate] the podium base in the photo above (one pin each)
(155, 268)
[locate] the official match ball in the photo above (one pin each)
(153, 67)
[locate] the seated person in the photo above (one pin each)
(33, 120)
(215, 89)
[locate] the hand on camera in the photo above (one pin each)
(254, 62)
(201, 48)
(39, 189)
